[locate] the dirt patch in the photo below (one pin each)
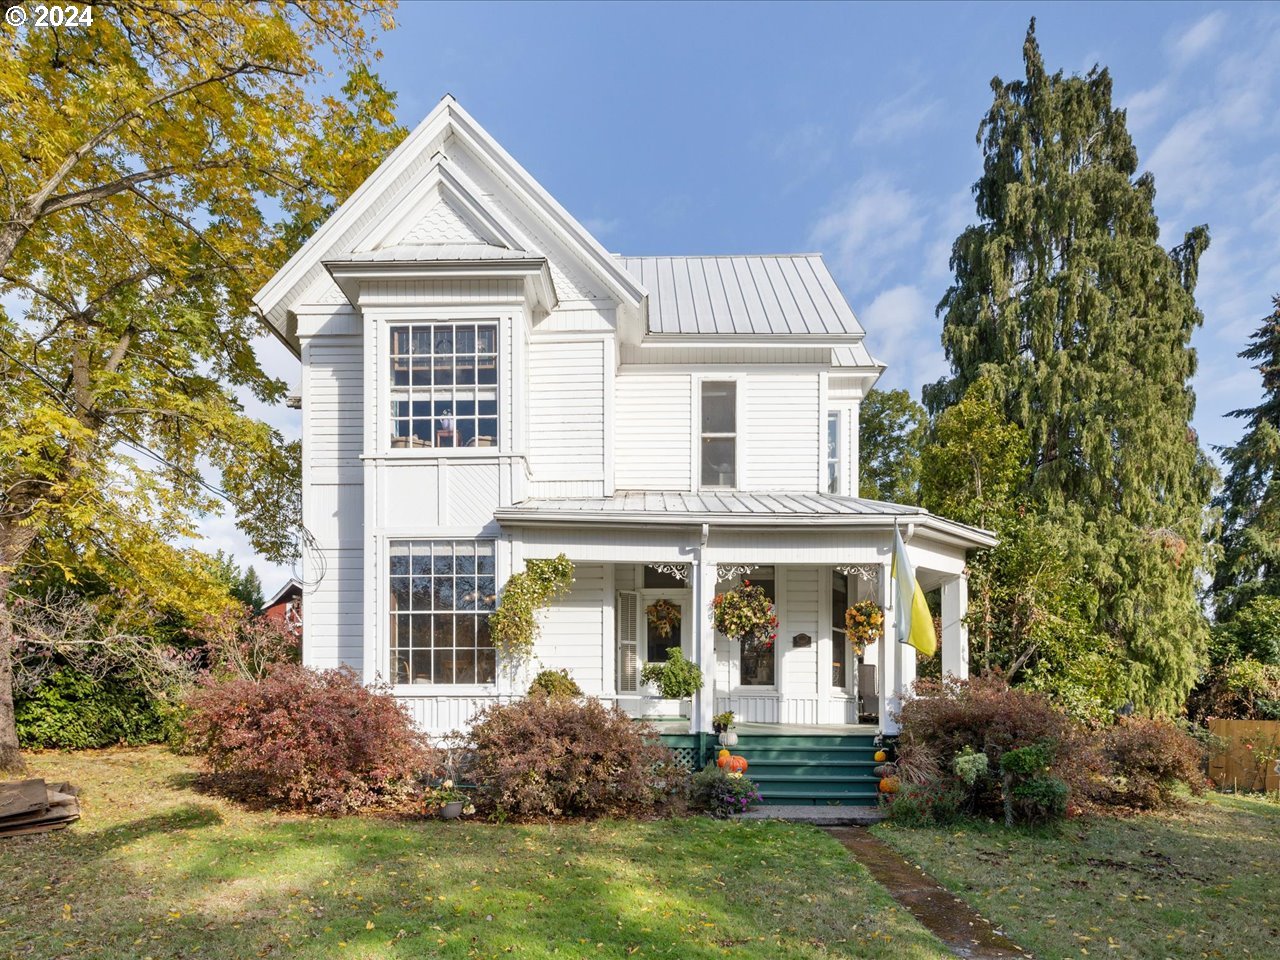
(950, 919)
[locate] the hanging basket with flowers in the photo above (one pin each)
(664, 617)
(864, 623)
(746, 614)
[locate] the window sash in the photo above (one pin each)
(444, 384)
(718, 449)
(833, 451)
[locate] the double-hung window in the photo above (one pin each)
(442, 592)
(444, 385)
(756, 657)
(839, 638)
(833, 451)
(719, 447)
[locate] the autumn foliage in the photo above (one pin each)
(306, 739)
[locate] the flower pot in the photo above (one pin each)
(451, 811)
(729, 738)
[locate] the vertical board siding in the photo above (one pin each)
(653, 431)
(572, 635)
(783, 432)
(566, 410)
(801, 616)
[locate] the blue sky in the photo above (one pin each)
(760, 128)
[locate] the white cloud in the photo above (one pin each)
(870, 231)
(600, 227)
(903, 332)
(1146, 106)
(1198, 38)
(897, 119)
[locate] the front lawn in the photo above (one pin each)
(157, 869)
(1196, 883)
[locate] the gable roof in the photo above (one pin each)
(378, 196)
(792, 295)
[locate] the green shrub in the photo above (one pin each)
(937, 803)
(721, 793)
(970, 766)
(554, 683)
(74, 711)
(1040, 799)
(677, 679)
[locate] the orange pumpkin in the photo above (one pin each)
(722, 758)
(737, 764)
(881, 756)
(889, 785)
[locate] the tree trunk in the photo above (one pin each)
(14, 543)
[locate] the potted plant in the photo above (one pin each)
(722, 723)
(447, 802)
(864, 624)
(746, 614)
(677, 679)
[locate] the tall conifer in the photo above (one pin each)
(1066, 300)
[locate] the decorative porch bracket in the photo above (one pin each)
(678, 570)
(730, 571)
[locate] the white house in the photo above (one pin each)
(483, 383)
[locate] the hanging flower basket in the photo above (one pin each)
(864, 623)
(664, 616)
(746, 614)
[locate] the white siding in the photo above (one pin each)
(566, 410)
(654, 430)
(573, 630)
(800, 615)
(783, 431)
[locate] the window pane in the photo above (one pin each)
(839, 655)
(719, 406)
(421, 660)
(399, 558)
(757, 663)
(661, 580)
(839, 599)
(486, 666)
(718, 466)
(399, 593)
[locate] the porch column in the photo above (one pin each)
(955, 632)
(890, 692)
(703, 577)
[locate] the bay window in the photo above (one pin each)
(444, 385)
(442, 592)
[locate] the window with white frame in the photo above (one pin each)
(839, 638)
(757, 662)
(833, 451)
(719, 447)
(444, 385)
(442, 592)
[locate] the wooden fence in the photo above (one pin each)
(1250, 758)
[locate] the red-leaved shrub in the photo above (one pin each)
(1148, 759)
(559, 757)
(306, 739)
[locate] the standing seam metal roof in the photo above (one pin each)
(792, 294)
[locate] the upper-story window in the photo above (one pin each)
(444, 385)
(719, 433)
(833, 451)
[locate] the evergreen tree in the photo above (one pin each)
(891, 433)
(1250, 497)
(1066, 300)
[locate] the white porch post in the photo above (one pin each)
(955, 632)
(704, 638)
(890, 691)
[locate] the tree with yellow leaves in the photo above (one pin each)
(156, 167)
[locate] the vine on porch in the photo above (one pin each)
(513, 626)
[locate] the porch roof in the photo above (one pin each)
(736, 508)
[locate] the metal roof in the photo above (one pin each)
(434, 251)
(792, 294)
(734, 508)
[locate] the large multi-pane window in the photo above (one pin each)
(442, 592)
(833, 451)
(839, 639)
(719, 433)
(444, 385)
(757, 658)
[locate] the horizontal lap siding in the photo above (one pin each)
(566, 410)
(572, 635)
(654, 431)
(783, 433)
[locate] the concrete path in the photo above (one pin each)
(950, 919)
(822, 816)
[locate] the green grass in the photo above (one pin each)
(157, 869)
(1195, 883)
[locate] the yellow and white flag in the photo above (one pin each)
(913, 619)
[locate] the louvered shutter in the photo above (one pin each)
(628, 632)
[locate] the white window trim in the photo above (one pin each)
(840, 416)
(736, 687)
(508, 322)
(739, 436)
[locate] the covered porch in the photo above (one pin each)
(643, 553)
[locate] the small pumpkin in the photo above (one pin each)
(722, 758)
(737, 764)
(889, 785)
(886, 770)
(881, 756)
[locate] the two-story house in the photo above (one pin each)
(483, 383)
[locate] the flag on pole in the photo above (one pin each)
(913, 619)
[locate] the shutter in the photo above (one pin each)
(628, 632)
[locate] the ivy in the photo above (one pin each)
(514, 625)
